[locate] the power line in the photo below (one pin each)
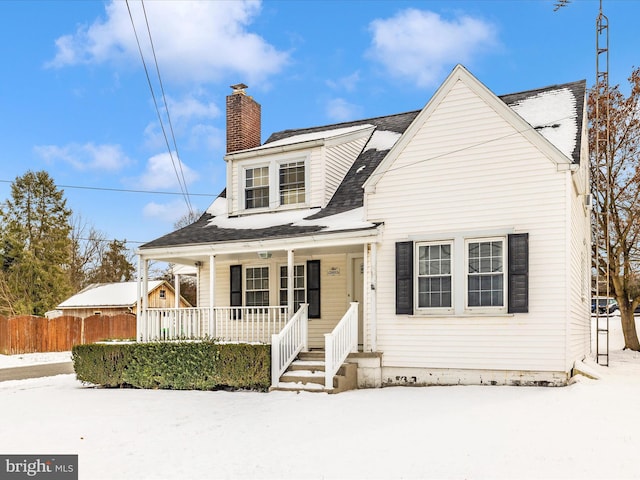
(125, 190)
(155, 102)
(166, 107)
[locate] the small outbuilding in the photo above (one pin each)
(118, 298)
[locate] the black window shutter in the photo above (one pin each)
(518, 273)
(313, 288)
(404, 278)
(236, 286)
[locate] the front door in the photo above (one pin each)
(357, 284)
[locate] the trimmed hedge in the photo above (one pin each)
(201, 365)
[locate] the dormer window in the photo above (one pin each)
(292, 183)
(280, 183)
(256, 193)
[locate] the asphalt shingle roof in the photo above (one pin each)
(349, 194)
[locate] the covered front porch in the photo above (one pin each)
(308, 296)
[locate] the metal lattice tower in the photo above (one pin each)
(601, 188)
(603, 183)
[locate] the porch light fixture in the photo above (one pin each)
(264, 255)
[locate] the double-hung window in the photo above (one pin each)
(298, 286)
(280, 182)
(257, 287)
(256, 191)
(434, 275)
(292, 181)
(463, 275)
(485, 273)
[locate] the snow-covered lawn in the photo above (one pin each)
(587, 430)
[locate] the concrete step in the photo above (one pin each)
(303, 376)
(306, 373)
(312, 355)
(313, 365)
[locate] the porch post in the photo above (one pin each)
(290, 289)
(176, 288)
(373, 298)
(212, 295)
(139, 322)
(145, 299)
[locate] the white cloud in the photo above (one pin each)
(348, 82)
(88, 156)
(168, 212)
(420, 45)
(193, 40)
(160, 172)
(187, 114)
(338, 109)
(191, 107)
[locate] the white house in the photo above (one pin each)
(445, 245)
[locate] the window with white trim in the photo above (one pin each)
(257, 287)
(256, 187)
(434, 275)
(292, 183)
(280, 182)
(485, 273)
(463, 275)
(299, 286)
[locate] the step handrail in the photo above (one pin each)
(339, 343)
(286, 345)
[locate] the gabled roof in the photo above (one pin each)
(121, 294)
(551, 116)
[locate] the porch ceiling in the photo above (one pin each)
(251, 254)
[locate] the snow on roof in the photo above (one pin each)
(107, 295)
(382, 140)
(308, 137)
(553, 113)
(350, 220)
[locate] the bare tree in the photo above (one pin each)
(87, 247)
(615, 180)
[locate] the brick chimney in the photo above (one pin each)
(243, 120)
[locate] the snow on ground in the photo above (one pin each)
(583, 431)
(25, 359)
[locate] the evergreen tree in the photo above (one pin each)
(115, 265)
(35, 246)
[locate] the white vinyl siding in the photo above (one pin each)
(339, 159)
(483, 177)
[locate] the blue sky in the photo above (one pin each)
(75, 101)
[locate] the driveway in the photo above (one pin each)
(35, 371)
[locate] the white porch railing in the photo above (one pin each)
(228, 324)
(339, 343)
(286, 345)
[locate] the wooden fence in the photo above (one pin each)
(26, 334)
